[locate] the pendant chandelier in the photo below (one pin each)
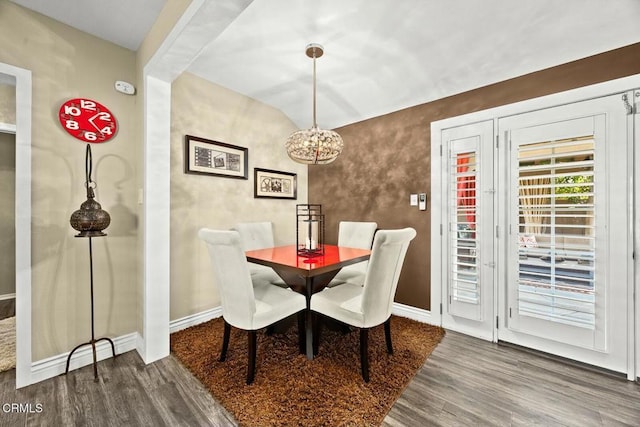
(314, 146)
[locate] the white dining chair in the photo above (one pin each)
(354, 234)
(248, 303)
(259, 235)
(370, 305)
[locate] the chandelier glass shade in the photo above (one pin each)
(314, 146)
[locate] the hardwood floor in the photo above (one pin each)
(464, 382)
(128, 393)
(467, 381)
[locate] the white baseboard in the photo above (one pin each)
(7, 128)
(398, 309)
(414, 313)
(56, 365)
(7, 296)
(194, 319)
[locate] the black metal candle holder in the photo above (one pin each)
(90, 220)
(309, 230)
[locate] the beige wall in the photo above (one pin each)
(7, 104)
(209, 111)
(66, 63)
(7, 214)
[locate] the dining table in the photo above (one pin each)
(307, 275)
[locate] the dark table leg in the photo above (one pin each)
(308, 323)
(306, 285)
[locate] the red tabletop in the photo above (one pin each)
(334, 258)
(307, 275)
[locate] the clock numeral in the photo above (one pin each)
(106, 130)
(87, 105)
(104, 116)
(71, 124)
(70, 109)
(90, 136)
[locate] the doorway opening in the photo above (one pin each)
(7, 240)
(21, 129)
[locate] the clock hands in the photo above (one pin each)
(93, 124)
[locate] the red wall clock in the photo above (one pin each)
(87, 120)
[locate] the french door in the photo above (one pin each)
(468, 244)
(537, 241)
(568, 244)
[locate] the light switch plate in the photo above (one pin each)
(413, 200)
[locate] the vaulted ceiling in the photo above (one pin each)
(380, 55)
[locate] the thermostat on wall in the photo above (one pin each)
(124, 87)
(422, 201)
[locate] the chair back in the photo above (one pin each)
(353, 234)
(356, 234)
(231, 272)
(255, 235)
(385, 264)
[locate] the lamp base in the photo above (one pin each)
(310, 253)
(92, 343)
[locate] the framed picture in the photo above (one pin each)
(207, 157)
(274, 184)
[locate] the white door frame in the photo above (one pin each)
(635, 217)
(22, 130)
(438, 199)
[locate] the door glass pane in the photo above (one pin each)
(556, 232)
(464, 217)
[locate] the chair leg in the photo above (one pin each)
(387, 335)
(225, 341)
(364, 353)
(251, 368)
(302, 334)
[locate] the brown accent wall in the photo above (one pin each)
(388, 157)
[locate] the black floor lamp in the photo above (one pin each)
(90, 220)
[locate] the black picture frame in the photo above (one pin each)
(273, 184)
(207, 157)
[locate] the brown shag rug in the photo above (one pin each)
(291, 390)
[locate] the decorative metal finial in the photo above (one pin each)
(90, 219)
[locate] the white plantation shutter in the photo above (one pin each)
(556, 231)
(464, 283)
